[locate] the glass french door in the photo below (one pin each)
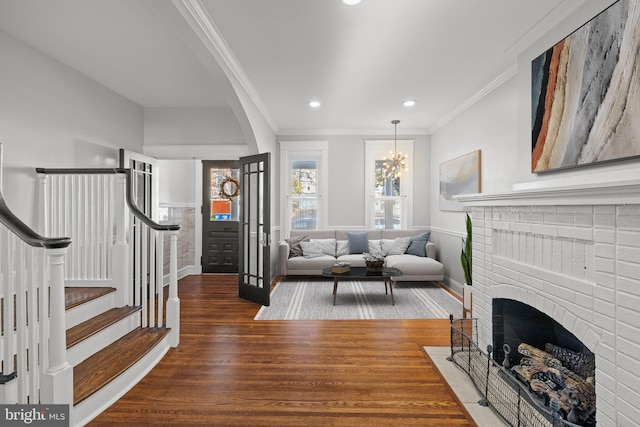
(255, 224)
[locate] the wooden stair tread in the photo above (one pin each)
(74, 296)
(104, 366)
(96, 324)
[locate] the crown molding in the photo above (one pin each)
(202, 23)
(351, 132)
(494, 84)
(540, 28)
(543, 26)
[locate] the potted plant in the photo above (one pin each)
(373, 262)
(465, 260)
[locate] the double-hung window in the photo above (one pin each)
(303, 182)
(389, 203)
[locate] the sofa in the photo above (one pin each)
(307, 252)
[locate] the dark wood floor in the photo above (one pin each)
(230, 370)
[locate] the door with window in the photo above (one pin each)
(220, 216)
(254, 281)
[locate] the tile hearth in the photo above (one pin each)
(463, 387)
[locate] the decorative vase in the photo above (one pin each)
(374, 266)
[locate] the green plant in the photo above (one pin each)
(466, 253)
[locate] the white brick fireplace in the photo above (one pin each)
(574, 254)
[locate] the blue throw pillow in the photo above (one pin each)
(358, 242)
(418, 243)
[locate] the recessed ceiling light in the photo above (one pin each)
(314, 104)
(350, 2)
(409, 103)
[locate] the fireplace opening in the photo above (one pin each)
(540, 352)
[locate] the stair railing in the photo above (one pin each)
(116, 245)
(33, 341)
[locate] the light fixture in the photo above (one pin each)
(314, 104)
(409, 103)
(350, 2)
(395, 164)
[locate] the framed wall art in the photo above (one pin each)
(459, 176)
(585, 92)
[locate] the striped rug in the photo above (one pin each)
(312, 299)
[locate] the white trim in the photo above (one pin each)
(198, 219)
(312, 150)
(447, 232)
(375, 150)
(350, 132)
(218, 47)
(543, 26)
(218, 152)
(493, 85)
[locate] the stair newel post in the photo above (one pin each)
(57, 381)
(173, 303)
(121, 276)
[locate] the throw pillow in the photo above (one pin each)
(327, 246)
(311, 249)
(417, 245)
(358, 242)
(375, 248)
(342, 248)
(294, 245)
(396, 246)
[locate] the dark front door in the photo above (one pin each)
(255, 226)
(220, 215)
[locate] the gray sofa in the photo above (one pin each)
(414, 268)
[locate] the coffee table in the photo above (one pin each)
(361, 273)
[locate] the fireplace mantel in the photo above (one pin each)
(619, 193)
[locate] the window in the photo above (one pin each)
(390, 203)
(303, 182)
(303, 206)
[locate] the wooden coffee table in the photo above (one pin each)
(361, 273)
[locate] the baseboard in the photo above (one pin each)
(182, 273)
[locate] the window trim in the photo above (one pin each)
(303, 150)
(376, 150)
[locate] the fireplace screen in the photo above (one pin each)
(527, 386)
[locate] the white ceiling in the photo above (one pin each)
(360, 62)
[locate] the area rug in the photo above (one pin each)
(312, 299)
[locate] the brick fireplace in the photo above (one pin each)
(574, 255)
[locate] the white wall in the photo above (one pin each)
(499, 125)
(53, 116)
(191, 126)
(177, 183)
(490, 126)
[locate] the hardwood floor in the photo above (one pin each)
(230, 370)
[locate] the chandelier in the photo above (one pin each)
(395, 163)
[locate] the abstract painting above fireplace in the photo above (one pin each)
(585, 93)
